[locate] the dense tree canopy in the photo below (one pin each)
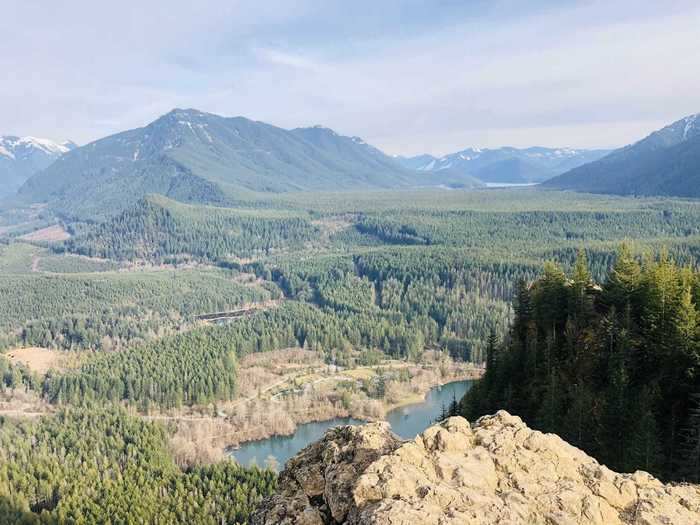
(614, 370)
(95, 465)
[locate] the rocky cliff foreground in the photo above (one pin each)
(496, 471)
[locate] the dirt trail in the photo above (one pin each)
(35, 263)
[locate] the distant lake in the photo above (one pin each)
(510, 184)
(407, 422)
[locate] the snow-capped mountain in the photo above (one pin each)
(505, 165)
(192, 156)
(22, 157)
(667, 162)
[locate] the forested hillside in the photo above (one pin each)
(343, 280)
(613, 369)
(111, 310)
(159, 229)
(187, 294)
(667, 162)
(96, 465)
(199, 157)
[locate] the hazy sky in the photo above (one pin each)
(408, 76)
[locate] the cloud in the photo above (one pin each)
(409, 76)
(281, 58)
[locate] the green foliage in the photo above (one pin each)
(162, 230)
(73, 264)
(17, 376)
(199, 367)
(346, 292)
(93, 465)
(16, 257)
(196, 157)
(196, 367)
(81, 310)
(614, 370)
(476, 228)
(452, 301)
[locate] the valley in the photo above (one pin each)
(334, 263)
(282, 390)
(248, 329)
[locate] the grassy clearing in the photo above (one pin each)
(48, 234)
(40, 360)
(18, 257)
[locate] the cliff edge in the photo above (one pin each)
(495, 471)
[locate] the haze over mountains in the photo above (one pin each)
(504, 165)
(193, 156)
(22, 157)
(196, 157)
(667, 162)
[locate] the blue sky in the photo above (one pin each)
(408, 76)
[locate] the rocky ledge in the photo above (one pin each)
(496, 471)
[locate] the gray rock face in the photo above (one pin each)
(496, 471)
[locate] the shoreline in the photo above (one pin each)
(470, 375)
(284, 389)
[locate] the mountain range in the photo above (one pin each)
(667, 162)
(22, 157)
(503, 165)
(193, 156)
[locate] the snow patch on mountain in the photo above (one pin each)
(11, 146)
(689, 125)
(5, 153)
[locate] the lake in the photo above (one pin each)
(407, 422)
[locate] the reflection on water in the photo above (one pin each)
(411, 420)
(406, 421)
(275, 451)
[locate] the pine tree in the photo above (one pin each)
(689, 458)
(623, 282)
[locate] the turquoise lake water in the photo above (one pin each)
(406, 422)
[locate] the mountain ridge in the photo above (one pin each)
(505, 164)
(22, 157)
(665, 162)
(211, 159)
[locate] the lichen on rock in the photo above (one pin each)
(496, 471)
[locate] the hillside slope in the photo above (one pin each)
(193, 156)
(498, 471)
(22, 157)
(667, 162)
(157, 227)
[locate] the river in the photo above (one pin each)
(407, 422)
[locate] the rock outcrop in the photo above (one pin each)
(496, 471)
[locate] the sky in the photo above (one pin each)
(408, 76)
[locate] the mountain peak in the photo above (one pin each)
(187, 112)
(22, 157)
(675, 133)
(11, 145)
(505, 164)
(663, 163)
(205, 156)
(317, 128)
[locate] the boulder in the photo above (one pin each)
(496, 471)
